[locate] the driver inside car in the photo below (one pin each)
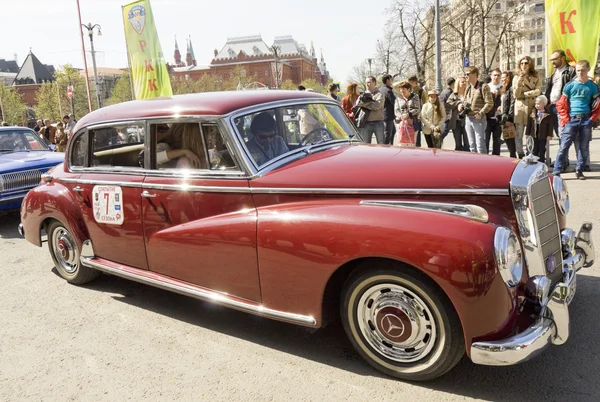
(266, 144)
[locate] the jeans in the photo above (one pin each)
(370, 128)
(520, 130)
(446, 129)
(579, 130)
(476, 133)
(389, 131)
(587, 161)
(493, 131)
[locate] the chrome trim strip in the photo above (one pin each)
(200, 189)
(169, 284)
(380, 191)
(468, 211)
(291, 190)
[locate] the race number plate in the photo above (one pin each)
(108, 205)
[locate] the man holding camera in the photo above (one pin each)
(371, 103)
(478, 101)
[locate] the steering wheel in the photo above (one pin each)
(319, 134)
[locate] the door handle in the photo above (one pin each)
(78, 189)
(146, 194)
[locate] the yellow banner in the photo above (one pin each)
(574, 26)
(147, 63)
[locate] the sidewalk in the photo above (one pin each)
(594, 153)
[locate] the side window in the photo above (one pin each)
(179, 146)
(219, 155)
(33, 140)
(118, 146)
(79, 151)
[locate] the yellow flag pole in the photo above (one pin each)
(128, 60)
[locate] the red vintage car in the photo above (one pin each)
(266, 202)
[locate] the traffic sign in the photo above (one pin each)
(70, 91)
(466, 62)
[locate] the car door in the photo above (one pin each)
(200, 221)
(109, 194)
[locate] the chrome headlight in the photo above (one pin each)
(562, 195)
(509, 256)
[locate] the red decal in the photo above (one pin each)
(566, 23)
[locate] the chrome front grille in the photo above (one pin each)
(21, 180)
(544, 212)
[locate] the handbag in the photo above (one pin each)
(509, 131)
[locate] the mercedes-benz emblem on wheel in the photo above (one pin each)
(392, 325)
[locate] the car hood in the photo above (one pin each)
(24, 160)
(381, 167)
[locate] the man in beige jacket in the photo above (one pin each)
(372, 100)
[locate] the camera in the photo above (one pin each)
(466, 109)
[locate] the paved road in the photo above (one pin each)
(116, 340)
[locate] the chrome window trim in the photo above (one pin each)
(526, 174)
(254, 170)
(468, 211)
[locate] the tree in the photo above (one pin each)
(121, 92)
(311, 83)
(388, 52)
(48, 102)
(288, 84)
(359, 74)
(238, 79)
(416, 26)
(66, 76)
(13, 109)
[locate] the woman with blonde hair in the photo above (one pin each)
(526, 87)
(433, 116)
(191, 138)
(461, 140)
(349, 100)
(60, 138)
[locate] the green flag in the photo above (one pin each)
(148, 67)
(574, 26)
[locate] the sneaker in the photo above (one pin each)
(579, 175)
(587, 168)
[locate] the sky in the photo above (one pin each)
(345, 30)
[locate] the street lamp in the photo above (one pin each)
(90, 29)
(370, 61)
(275, 50)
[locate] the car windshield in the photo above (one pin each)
(21, 140)
(272, 133)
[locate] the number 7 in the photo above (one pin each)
(106, 197)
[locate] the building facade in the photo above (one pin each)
(256, 61)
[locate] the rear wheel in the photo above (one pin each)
(65, 255)
(401, 323)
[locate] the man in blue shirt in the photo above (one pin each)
(580, 92)
(266, 144)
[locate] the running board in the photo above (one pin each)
(187, 289)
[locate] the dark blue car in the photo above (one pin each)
(24, 156)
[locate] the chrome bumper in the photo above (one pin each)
(552, 326)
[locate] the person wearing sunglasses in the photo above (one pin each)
(526, 87)
(266, 144)
(562, 75)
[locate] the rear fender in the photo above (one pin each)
(301, 245)
(51, 201)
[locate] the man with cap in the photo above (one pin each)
(266, 144)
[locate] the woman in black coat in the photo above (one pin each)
(508, 113)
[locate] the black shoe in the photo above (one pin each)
(587, 168)
(579, 175)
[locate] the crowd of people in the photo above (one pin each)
(56, 133)
(507, 107)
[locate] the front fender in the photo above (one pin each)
(52, 200)
(301, 244)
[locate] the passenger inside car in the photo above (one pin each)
(266, 144)
(170, 147)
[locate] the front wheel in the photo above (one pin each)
(65, 255)
(401, 323)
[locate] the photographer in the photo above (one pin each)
(478, 101)
(370, 119)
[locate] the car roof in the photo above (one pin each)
(13, 128)
(206, 103)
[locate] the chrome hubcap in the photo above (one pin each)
(396, 323)
(65, 250)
